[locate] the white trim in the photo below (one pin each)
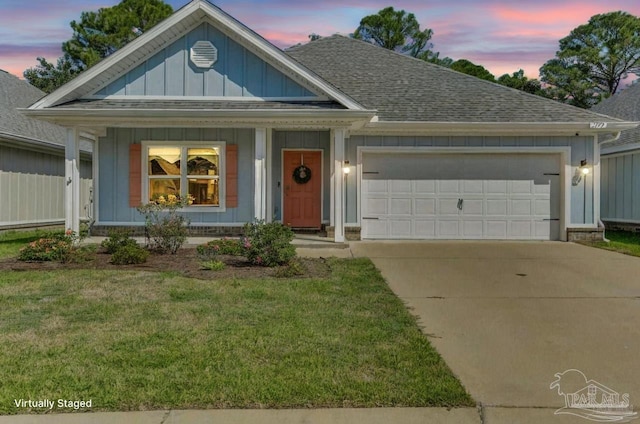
(565, 171)
(596, 180)
(332, 149)
(207, 98)
(282, 178)
(185, 144)
(260, 178)
(582, 226)
(487, 128)
(8, 225)
(269, 168)
(72, 181)
(339, 186)
(95, 165)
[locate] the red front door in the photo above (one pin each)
(302, 191)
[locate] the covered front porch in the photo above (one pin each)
(254, 176)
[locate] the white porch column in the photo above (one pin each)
(338, 184)
(72, 181)
(260, 173)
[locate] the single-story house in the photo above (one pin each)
(32, 172)
(620, 181)
(339, 133)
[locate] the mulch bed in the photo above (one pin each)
(185, 262)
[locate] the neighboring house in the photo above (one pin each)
(201, 105)
(620, 182)
(32, 172)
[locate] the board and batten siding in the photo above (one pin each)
(581, 148)
(237, 72)
(113, 154)
(620, 186)
(32, 187)
(294, 140)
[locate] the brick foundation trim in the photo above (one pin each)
(193, 230)
(350, 233)
(622, 226)
(585, 234)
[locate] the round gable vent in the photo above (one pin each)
(203, 54)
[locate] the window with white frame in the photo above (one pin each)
(193, 170)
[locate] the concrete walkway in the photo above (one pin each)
(263, 416)
(506, 317)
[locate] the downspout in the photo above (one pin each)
(600, 142)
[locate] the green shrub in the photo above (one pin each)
(129, 255)
(52, 247)
(268, 244)
(223, 246)
(165, 228)
(118, 238)
(212, 265)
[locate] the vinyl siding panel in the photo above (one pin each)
(32, 187)
(237, 72)
(620, 186)
(114, 175)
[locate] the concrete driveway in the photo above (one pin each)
(508, 316)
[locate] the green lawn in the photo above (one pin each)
(620, 241)
(140, 340)
(12, 241)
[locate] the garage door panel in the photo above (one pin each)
(376, 206)
(496, 187)
(521, 187)
(375, 186)
(542, 208)
(448, 229)
(473, 207)
(449, 187)
(400, 186)
(425, 228)
(401, 206)
(497, 207)
(425, 186)
(496, 229)
(520, 229)
(473, 229)
(448, 207)
(504, 196)
(425, 206)
(400, 228)
(472, 187)
(522, 207)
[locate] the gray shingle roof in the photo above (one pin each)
(14, 94)
(402, 88)
(624, 105)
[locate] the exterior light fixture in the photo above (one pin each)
(584, 169)
(346, 169)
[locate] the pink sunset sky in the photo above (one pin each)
(501, 35)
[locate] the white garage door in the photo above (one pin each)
(461, 196)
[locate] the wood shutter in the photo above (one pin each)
(135, 175)
(231, 176)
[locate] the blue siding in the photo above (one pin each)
(114, 171)
(237, 72)
(581, 148)
(620, 186)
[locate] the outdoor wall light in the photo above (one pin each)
(346, 169)
(584, 169)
